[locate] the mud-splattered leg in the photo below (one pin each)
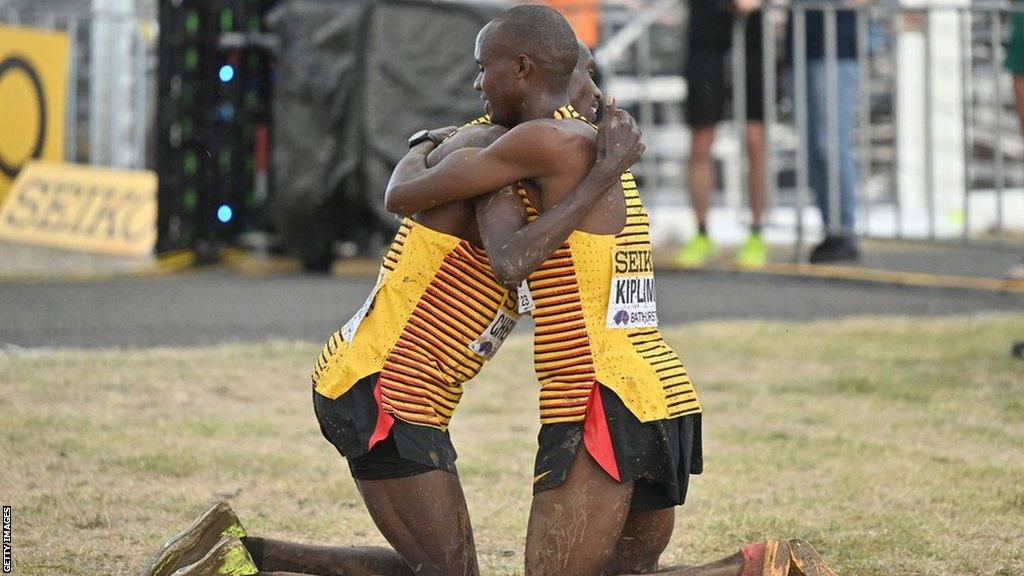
(424, 517)
(644, 537)
(426, 520)
(574, 528)
(281, 558)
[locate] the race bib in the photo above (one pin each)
(631, 298)
(524, 298)
(495, 334)
(348, 331)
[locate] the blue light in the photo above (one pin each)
(224, 213)
(227, 72)
(225, 112)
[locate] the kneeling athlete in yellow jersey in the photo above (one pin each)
(386, 384)
(620, 419)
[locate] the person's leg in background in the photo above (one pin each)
(847, 72)
(753, 253)
(816, 138)
(837, 245)
(705, 104)
(700, 181)
(755, 179)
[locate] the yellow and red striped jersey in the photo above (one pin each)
(434, 317)
(574, 347)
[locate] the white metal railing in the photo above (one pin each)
(937, 142)
(912, 182)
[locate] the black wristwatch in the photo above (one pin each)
(420, 137)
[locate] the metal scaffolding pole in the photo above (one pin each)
(834, 218)
(929, 137)
(863, 119)
(800, 112)
(770, 98)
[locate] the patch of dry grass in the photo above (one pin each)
(895, 445)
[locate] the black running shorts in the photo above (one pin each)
(355, 425)
(709, 88)
(657, 456)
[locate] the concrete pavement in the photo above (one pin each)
(216, 305)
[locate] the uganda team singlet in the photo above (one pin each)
(433, 318)
(595, 321)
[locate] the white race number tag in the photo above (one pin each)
(631, 297)
(348, 331)
(488, 342)
(524, 298)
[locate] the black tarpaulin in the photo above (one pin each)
(355, 79)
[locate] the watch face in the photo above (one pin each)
(421, 136)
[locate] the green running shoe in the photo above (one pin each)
(753, 253)
(195, 541)
(228, 558)
(697, 252)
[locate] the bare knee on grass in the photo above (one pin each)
(425, 518)
(574, 528)
(644, 537)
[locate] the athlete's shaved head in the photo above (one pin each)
(525, 55)
(542, 34)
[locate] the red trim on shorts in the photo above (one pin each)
(596, 437)
(384, 420)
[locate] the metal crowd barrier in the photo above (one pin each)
(936, 139)
(990, 160)
(111, 80)
(967, 18)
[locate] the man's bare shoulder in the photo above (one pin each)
(477, 135)
(468, 136)
(474, 136)
(551, 135)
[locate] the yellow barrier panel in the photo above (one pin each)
(82, 208)
(33, 88)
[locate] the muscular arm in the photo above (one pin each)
(517, 248)
(522, 153)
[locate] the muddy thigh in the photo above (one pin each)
(575, 527)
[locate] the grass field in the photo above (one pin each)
(894, 445)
